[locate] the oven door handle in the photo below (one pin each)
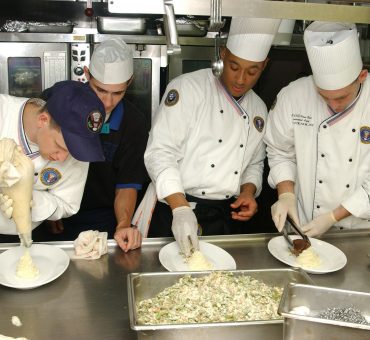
(170, 29)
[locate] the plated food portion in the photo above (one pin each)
(321, 257)
(197, 261)
(47, 263)
(26, 268)
(209, 257)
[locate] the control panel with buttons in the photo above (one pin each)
(80, 57)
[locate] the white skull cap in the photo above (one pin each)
(112, 62)
(333, 50)
(251, 38)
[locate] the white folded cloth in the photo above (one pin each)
(144, 212)
(90, 245)
(9, 175)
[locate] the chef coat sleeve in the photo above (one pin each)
(358, 204)
(254, 171)
(279, 139)
(167, 138)
(64, 198)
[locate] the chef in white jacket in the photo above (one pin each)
(318, 136)
(60, 136)
(205, 149)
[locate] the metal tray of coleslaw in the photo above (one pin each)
(213, 305)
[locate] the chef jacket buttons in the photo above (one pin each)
(220, 140)
(203, 193)
(36, 174)
(347, 186)
(350, 160)
(235, 172)
(318, 207)
(221, 111)
(320, 181)
(241, 145)
(324, 126)
(227, 196)
(212, 165)
(322, 155)
(353, 130)
(245, 117)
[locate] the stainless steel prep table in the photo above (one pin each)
(89, 301)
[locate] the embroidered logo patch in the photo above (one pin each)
(95, 121)
(50, 176)
(259, 123)
(172, 98)
(365, 134)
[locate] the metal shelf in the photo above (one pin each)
(43, 37)
(154, 39)
(97, 37)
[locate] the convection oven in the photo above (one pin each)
(27, 68)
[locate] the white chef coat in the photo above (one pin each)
(58, 186)
(203, 142)
(327, 155)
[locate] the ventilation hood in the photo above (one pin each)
(345, 11)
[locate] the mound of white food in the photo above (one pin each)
(309, 258)
(197, 261)
(26, 269)
(16, 321)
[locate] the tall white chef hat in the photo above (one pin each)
(251, 38)
(112, 62)
(334, 53)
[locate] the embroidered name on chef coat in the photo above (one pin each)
(49, 176)
(172, 98)
(259, 123)
(302, 120)
(365, 134)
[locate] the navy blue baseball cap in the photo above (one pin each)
(80, 114)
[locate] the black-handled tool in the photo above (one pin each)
(297, 245)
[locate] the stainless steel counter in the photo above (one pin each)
(89, 301)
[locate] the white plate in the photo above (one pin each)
(332, 258)
(172, 260)
(50, 260)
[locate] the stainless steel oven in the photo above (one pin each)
(145, 90)
(27, 68)
(192, 58)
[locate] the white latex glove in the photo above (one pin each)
(184, 228)
(319, 225)
(6, 205)
(286, 204)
